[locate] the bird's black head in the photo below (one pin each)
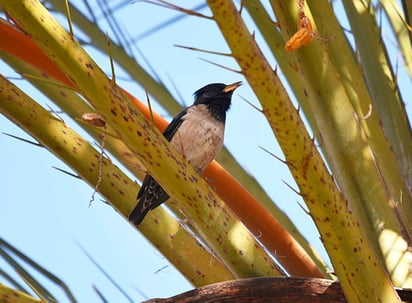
(217, 97)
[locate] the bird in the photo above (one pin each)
(197, 134)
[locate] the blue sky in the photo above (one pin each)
(46, 213)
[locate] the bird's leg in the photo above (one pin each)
(210, 181)
(199, 170)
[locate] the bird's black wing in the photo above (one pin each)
(174, 125)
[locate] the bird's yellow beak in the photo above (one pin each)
(231, 87)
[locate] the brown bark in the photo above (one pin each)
(269, 289)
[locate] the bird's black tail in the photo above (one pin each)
(150, 196)
(138, 213)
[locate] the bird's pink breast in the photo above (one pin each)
(199, 138)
